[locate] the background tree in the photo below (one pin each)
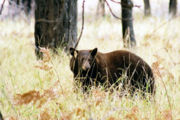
(100, 8)
(55, 24)
(26, 4)
(1, 117)
(173, 7)
(127, 23)
(147, 8)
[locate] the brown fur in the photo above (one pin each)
(93, 68)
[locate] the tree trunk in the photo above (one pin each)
(1, 117)
(127, 23)
(55, 24)
(27, 6)
(147, 8)
(173, 7)
(100, 8)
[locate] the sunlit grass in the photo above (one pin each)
(157, 41)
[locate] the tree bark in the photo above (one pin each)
(147, 8)
(100, 8)
(172, 7)
(55, 24)
(127, 23)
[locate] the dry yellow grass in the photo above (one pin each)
(49, 84)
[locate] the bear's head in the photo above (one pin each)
(82, 60)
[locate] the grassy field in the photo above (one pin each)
(44, 90)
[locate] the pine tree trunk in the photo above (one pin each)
(127, 23)
(55, 24)
(173, 7)
(147, 8)
(100, 8)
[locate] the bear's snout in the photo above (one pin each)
(86, 66)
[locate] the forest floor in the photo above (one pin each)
(31, 89)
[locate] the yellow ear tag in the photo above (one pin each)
(75, 54)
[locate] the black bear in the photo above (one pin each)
(91, 67)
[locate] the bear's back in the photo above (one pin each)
(117, 62)
(121, 58)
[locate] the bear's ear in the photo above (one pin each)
(73, 52)
(94, 52)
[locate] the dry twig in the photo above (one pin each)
(82, 27)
